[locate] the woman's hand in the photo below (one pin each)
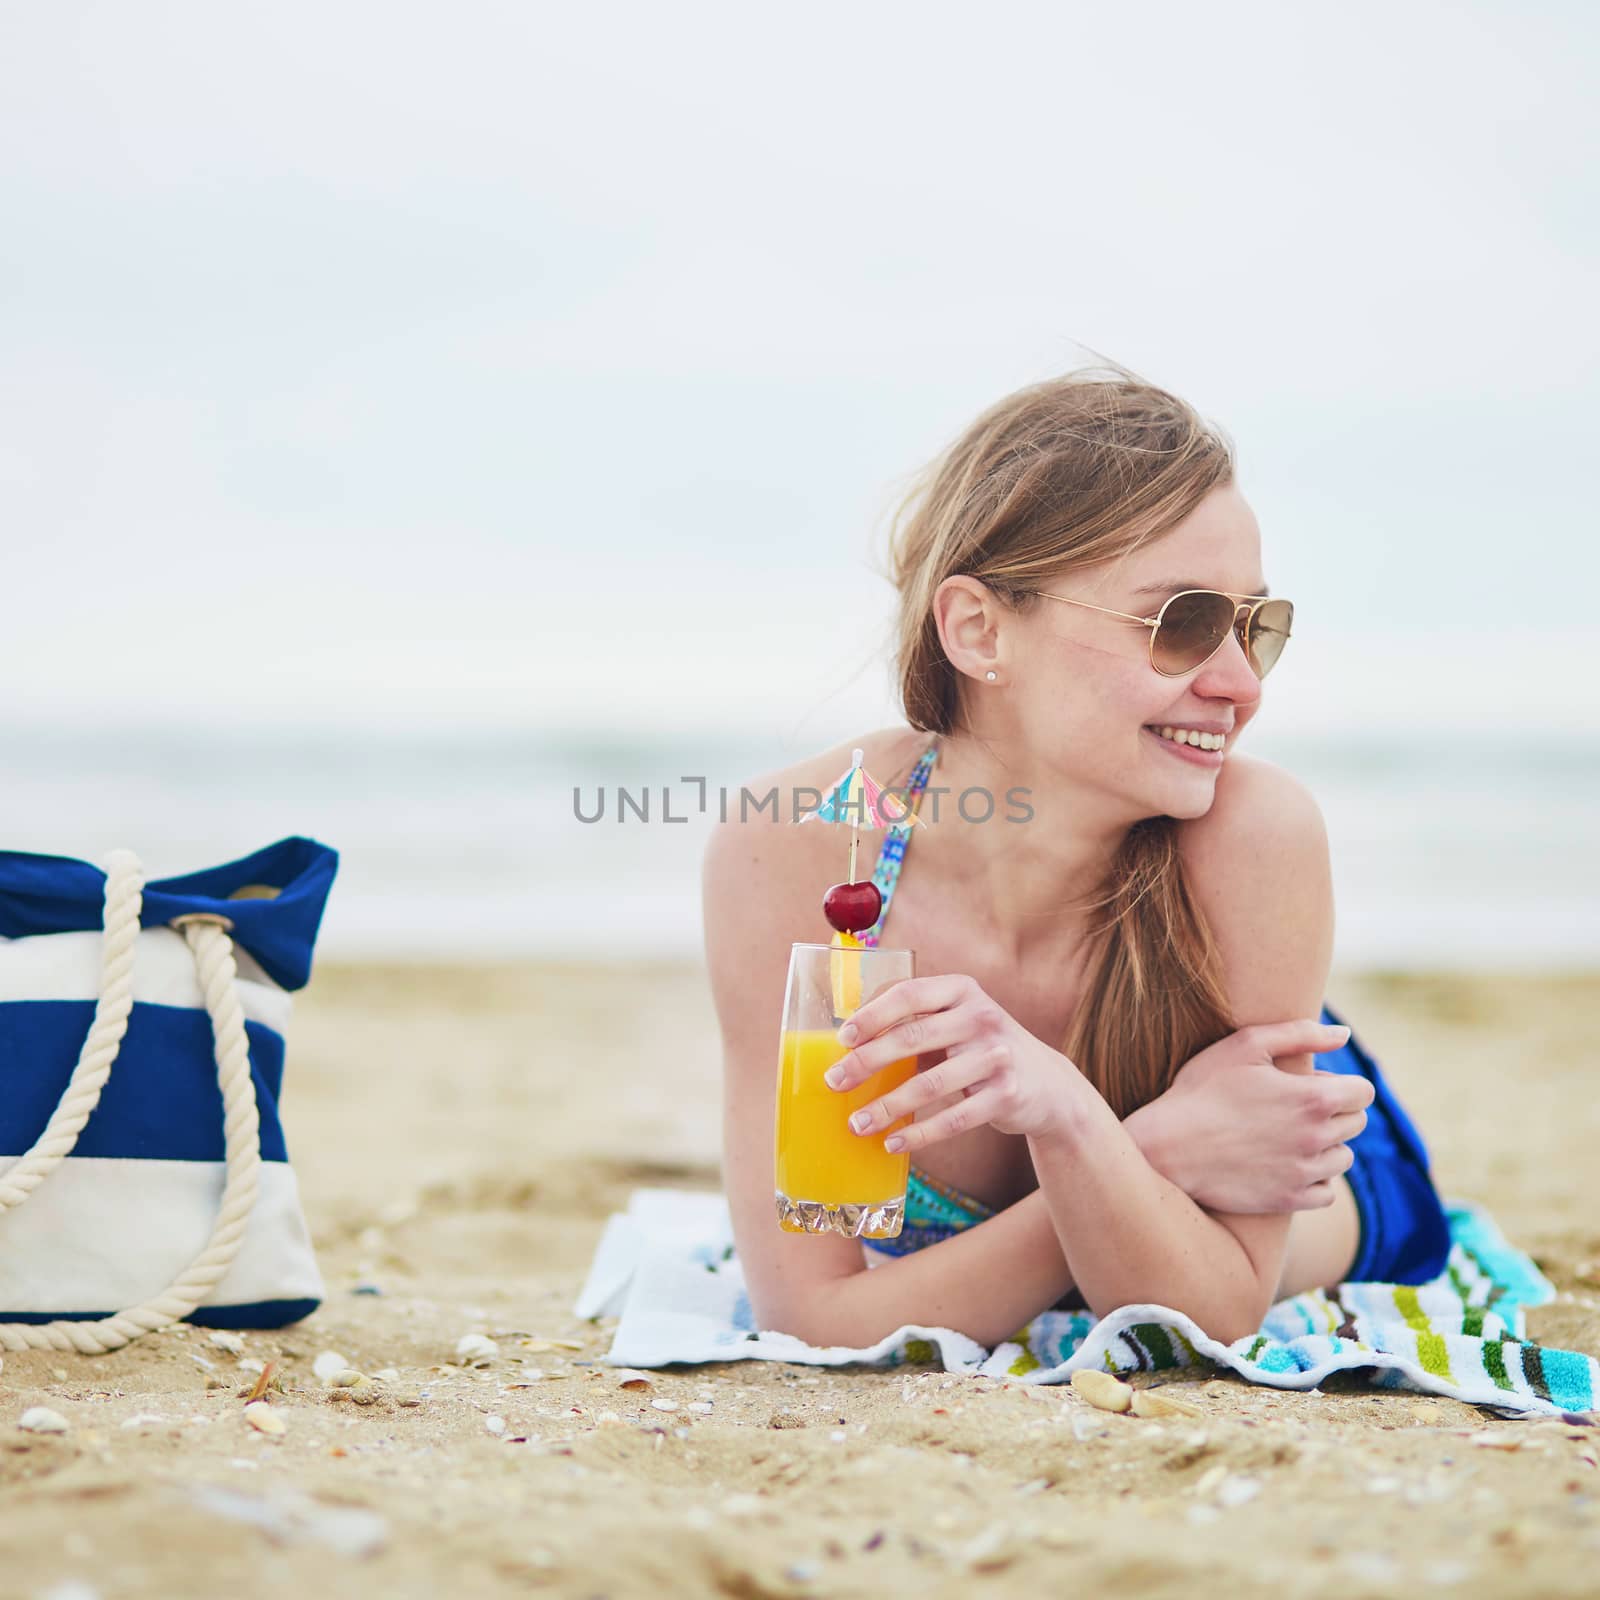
(1238, 1133)
(1006, 1076)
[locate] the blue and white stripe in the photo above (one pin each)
(136, 1199)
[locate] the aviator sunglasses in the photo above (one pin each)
(1190, 627)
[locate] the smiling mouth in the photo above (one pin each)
(1188, 738)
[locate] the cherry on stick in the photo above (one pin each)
(852, 907)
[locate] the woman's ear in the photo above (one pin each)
(967, 614)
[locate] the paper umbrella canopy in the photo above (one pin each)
(856, 797)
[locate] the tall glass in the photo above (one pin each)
(829, 1178)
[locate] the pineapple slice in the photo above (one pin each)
(844, 971)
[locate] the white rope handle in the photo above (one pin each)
(207, 938)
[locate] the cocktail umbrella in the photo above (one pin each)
(858, 798)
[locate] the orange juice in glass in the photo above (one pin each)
(830, 1179)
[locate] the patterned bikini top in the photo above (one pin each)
(887, 872)
(934, 1210)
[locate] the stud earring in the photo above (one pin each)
(990, 676)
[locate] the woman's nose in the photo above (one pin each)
(1229, 673)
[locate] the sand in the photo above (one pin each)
(461, 1136)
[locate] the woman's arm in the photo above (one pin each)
(1258, 866)
(988, 1282)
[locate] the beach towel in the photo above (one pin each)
(667, 1269)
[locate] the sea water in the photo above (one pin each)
(1446, 851)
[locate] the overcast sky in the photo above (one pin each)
(557, 365)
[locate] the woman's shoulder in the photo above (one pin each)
(1257, 863)
(1258, 807)
(759, 837)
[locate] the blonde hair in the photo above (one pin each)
(1071, 472)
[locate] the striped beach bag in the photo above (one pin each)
(143, 1174)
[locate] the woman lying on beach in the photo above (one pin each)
(1130, 1088)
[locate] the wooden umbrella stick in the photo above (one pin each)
(855, 810)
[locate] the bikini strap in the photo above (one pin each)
(887, 872)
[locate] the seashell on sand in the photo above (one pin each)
(264, 1419)
(1102, 1390)
(475, 1350)
(354, 1386)
(327, 1364)
(1150, 1403)
(41, 1419)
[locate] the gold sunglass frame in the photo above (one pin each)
(1248, 603)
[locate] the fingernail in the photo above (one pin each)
(894, 1142)
(833, 1077)
(860, 1121)
(847, 1034)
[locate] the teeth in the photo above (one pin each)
(1201, 741)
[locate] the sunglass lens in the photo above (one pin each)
(1268, 635)
(1192, 626)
